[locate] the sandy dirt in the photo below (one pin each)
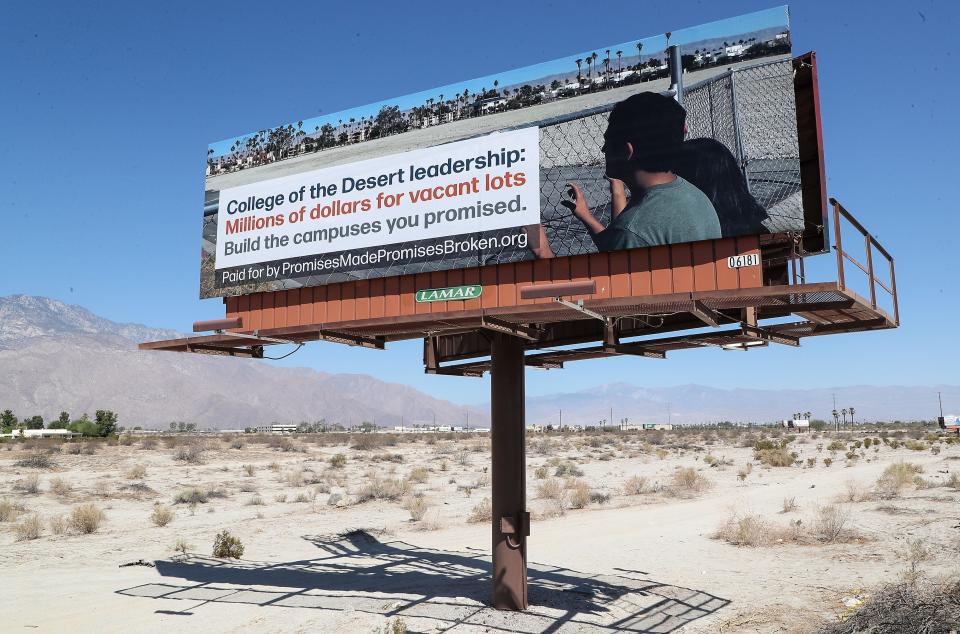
(318, 559)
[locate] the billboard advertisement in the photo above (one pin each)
(593, 152)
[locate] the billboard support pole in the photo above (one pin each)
(510, 519)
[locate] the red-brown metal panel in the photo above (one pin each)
(472, 276)
(682, 260)
(662, 270)
(377, 285)
(662, 275)
(704, 266)
(363, 299)
(408, 286)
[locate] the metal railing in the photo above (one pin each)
(870, 244)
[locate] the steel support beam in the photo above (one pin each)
(376, 343)
(510, 523)
(706, 314)
(498, 325)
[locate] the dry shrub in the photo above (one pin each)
(86, 518)
(417, 507)
(30, 484)
(579, 494)
(745, 471)
(551, 489)
(137, 472)
(567, 468)
(338, 461)
(191, 453)
(789, 505)
(162, 515)
(744, 530)
(9, 510)
(895, 478)
(687, 481)
(226, 546)
(366, 442)
(248, 487)
(462, 457)
(196, 495)
(636, 485)
(540, 473)
(776, 457)
(953, 481)
(556, 494)
(854, 492)
(915, 445)
(482, 512)
(148, 443)
(419, 475)
(249, 469)
(283, 443)
(36, 461)
(830, 524)
(29, 528)
(256, 500)
(912, 606)
(60, 487)
(237, 443)
(382, 489)
(295, 478)
(304, 498)
(59, 524)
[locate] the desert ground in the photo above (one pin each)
(688, 531)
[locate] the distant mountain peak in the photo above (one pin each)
(56, 356)
(27, 317)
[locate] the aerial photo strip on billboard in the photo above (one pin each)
(591, 152)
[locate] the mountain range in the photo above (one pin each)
(55, 356)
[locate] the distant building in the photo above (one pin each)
(797, 423)
(276, 428)
(735, 50)
(41, 433)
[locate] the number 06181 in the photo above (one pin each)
(740, 261)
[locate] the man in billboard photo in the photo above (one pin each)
(642, 142)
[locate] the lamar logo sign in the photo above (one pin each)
(450, 294)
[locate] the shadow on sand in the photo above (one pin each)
(359, 572)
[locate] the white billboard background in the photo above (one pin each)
(301, 224)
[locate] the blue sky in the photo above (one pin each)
(728, 27)
(107, 111)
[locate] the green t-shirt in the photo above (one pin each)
(667, 214)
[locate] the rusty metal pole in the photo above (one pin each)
(511, 522)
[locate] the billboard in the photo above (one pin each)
(590, 152)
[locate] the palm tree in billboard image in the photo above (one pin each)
(619, 66)
(639, 50)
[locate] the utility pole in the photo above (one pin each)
(669, 415)
(561, 418)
